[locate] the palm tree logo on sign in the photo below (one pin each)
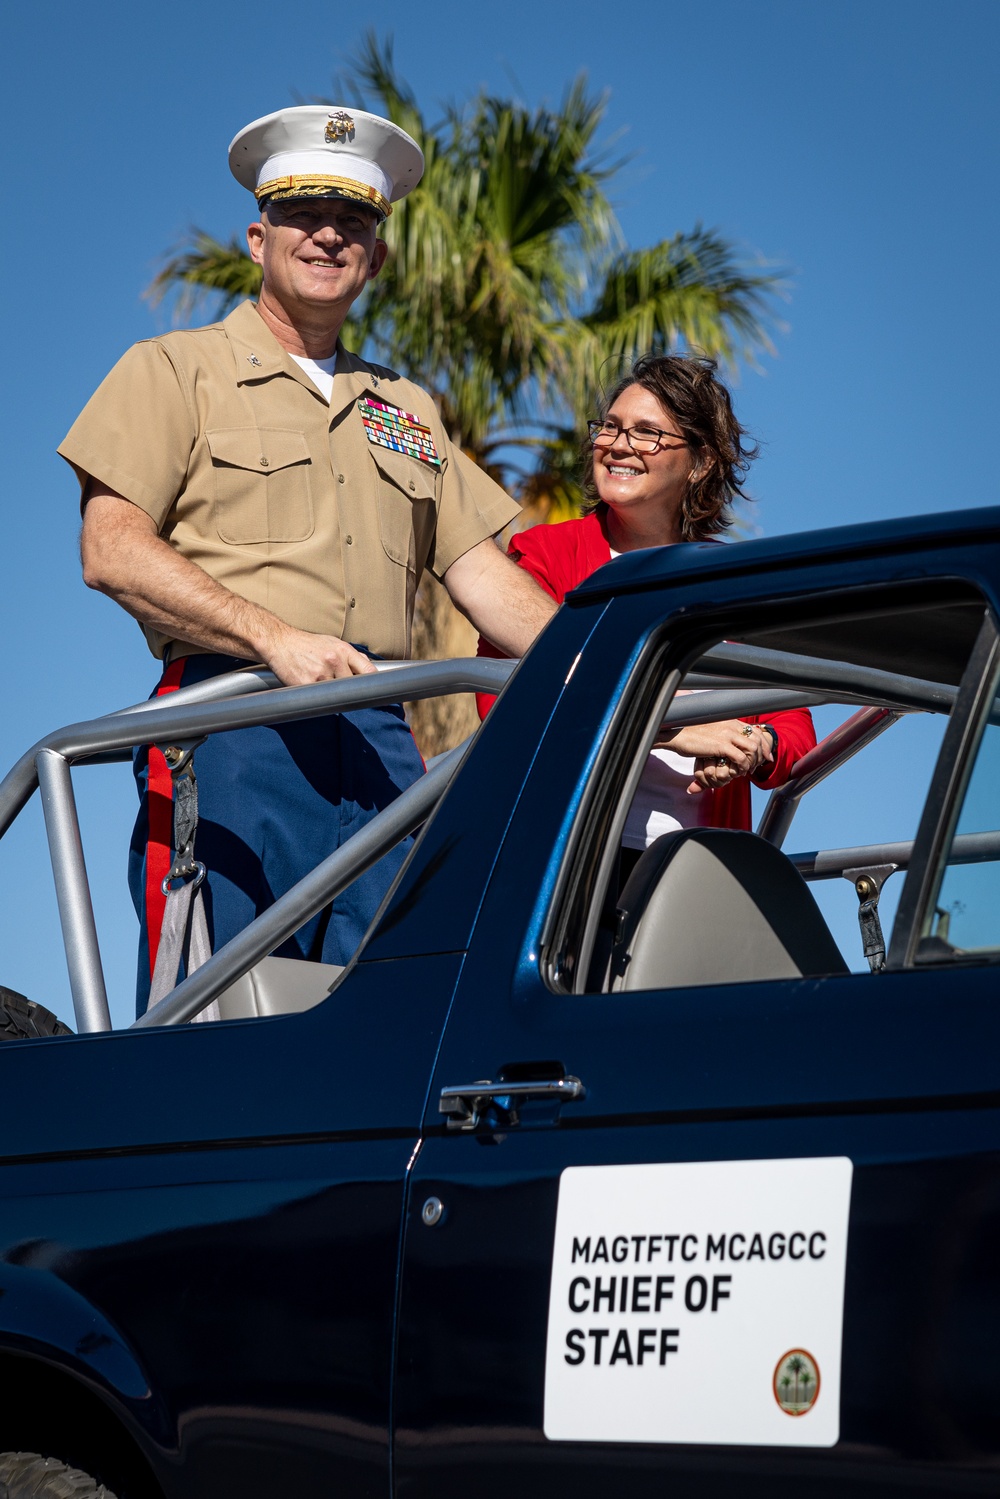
(796, 1382)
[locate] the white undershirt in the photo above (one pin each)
(661, 803)
(320, 372)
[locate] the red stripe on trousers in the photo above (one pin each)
(160, 835)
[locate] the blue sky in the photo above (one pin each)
(854, 143)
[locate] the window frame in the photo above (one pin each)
(587, 865)
(601, 816)
(942, 808)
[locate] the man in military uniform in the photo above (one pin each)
(253, 493)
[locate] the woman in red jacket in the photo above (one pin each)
(666, 460)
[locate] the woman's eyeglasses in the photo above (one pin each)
(640, 439)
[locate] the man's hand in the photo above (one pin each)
(722, 751)
(299, 658)
(503, 601)
(124, 557)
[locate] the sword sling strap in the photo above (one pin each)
(184, 934)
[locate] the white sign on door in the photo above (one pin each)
(698, 1302)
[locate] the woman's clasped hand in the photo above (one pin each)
(722, 752)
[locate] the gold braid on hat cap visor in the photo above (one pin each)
(323, 187)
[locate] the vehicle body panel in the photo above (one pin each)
(224, 1226)
(921, 1306)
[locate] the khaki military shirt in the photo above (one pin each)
(247, 470)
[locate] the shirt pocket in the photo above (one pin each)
(262, 484)
(407, 489)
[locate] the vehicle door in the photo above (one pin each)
(733, 1235)
(200, 1226)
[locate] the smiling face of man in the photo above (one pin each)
(317, 255)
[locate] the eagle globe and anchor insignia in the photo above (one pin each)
(340, 126)
(796, 1382)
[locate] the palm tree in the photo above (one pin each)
(509, 293)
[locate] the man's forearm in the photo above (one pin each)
(504, 602)
(175, 597)
(125, 558)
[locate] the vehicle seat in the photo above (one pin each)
(278, 986)
(714, 906)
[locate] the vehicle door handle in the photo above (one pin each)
(465, 1103)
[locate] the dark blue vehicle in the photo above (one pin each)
(560, 1188)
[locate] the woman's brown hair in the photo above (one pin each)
(686, 386)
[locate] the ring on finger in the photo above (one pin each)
(747, 729)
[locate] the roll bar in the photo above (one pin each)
(738, 681)
(236, 700)
(839, 681)
(830, 863)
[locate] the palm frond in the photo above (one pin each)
(374, 68)
(553, 491)
(692, 287)
(207, 266)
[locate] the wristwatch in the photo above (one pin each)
(770, 729)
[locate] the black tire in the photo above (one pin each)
(26, 1475)
(22, 1020)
